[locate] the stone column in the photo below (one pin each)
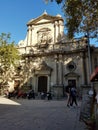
(60, 70)
(61, 27)
(49, 83)
(29, 35)
(35, 83)
(58, 27)
(56, 68)
(58, 87)
(54, 32)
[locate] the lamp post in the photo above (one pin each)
(89, 63)
(89, 55)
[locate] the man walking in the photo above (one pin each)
(73, 94)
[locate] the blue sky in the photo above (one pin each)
(14, 15)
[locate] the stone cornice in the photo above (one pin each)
(44, 16)
(57, 52)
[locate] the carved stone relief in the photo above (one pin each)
(44, 37)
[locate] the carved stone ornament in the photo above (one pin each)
(44, 37)
(43, 66)
(71, 66)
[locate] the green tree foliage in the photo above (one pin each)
(8, 52)
(8, 55)
(57, 1)
(80, 16)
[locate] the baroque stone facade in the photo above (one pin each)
(50, 61)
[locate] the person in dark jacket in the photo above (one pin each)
(73, 94)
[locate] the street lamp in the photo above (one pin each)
(89, 55)
(89, 62)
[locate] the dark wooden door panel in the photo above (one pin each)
(42, 84)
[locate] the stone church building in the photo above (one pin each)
(50, 61)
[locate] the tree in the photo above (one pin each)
(57, 1)
(8, 57)
(80, 16)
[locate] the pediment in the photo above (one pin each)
(43, 66)
(44, 18)
(43, 21)
(72, 74)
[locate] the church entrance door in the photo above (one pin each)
(42, 84)
(72, 81)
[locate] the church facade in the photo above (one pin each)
(50, 61)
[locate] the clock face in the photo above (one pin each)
(44, 36)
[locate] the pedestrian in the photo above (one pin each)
(73, 94)
(49, 96)
(67, 90)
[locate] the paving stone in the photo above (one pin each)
(24, 114)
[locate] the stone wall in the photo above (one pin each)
(87, 107)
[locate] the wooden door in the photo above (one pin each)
(42, 84)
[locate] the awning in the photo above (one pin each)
(94, 75)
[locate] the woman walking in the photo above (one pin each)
(68, 88)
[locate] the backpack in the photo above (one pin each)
(73, 92)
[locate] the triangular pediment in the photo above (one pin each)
(44, 18)
(72, 74)
(43, 66)
(43, 21)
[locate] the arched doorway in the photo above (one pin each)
(42, 84)
(72, 82)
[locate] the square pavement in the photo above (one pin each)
(24, 114)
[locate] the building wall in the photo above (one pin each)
(57, 60)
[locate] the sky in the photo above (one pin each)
(14, 15)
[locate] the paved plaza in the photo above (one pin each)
(24, 114)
